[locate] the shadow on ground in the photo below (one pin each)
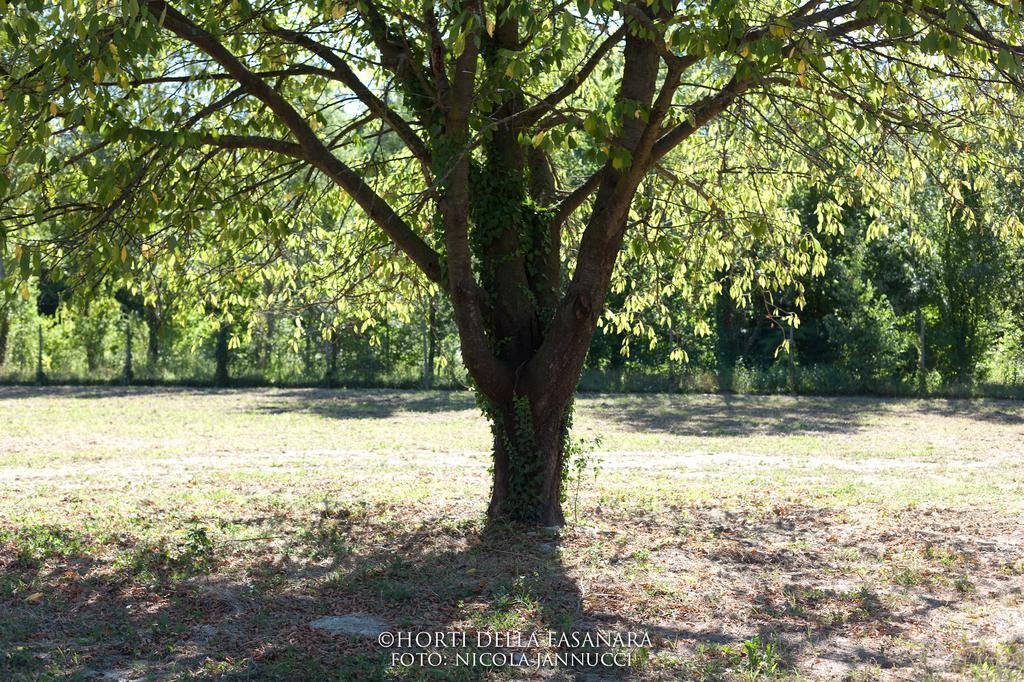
(686, 415)
(90, 619)
(90, 392)
(681, 415)
(728, 415)
(364, 403)
(242, 611)
(1006, 412)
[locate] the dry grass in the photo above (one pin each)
(188, 534)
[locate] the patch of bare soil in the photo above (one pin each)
(894, 595)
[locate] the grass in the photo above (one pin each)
(194, 534)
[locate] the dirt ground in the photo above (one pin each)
(188, 534)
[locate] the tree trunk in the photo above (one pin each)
(268, 341)
(524, 334)
(5, 322)
(331, 351)
(129, 373)
(673, 386)
(308, 360)
(153, 338)
(726, 351)
(40, 376)
(5, 329)
(92, 361)
(267, 344)
(221, 375)
(429, 345)
(529, 463)
(922, 371)
(791, 357)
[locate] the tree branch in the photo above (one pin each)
(711, 106)
(704, 111)
(493, 377)
(532, 114)
(296, 70)
(572, 326)
(313, 150)
(576, 198)
(396, 56)
(378, 107)
(269, 144)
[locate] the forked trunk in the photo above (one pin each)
(524, 324)
(529, 464)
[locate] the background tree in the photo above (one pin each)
(53, 290)
(969, 272)
(7, 298)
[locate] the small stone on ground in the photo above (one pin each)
(353, 625)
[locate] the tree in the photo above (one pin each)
(132, 305)
(1010, 194)
(53, 290)
(222, 355)
(5, 330)
(429, 323)
(6, 299)
(501, 147)
(970, 264)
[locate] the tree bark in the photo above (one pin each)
(92, 360)
(791, 359)
(527, 347)
(725, 337)
(267, 350)
(308, 364)
(267, 344)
